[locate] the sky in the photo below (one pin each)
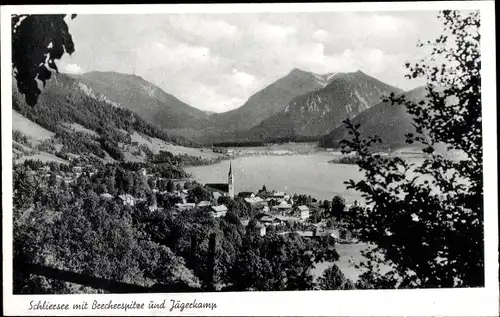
(215, 62)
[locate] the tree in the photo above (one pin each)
(329, 223)
(223, 200)
(152, 200)
(326, 206)
(278, 262)
(338, 206)
(333, 279)
(151, 183)
(37, 41)
(314, 218)
(232, 217)
(52, 179)
(198, 193)
(23, 187)
(427, 219)
(170, 186)
(252, 224)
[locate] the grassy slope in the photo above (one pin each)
(155, 145)
(29, 128)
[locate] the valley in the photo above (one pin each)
(286, 137)
(189, 153)
(302, 106)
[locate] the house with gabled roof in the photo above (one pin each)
(184, 206)
(127, 199)
(107, 196)
(219, 211)
(283, 207)
(260, 229)
(303, 212)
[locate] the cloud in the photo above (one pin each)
(320, 35)
(374, 61)
(379, 25)
(389, 25)
(182, 53)
(242, 79)
(206, 29)
(311, 56)
(69, 68)
(271, 33)
(208, 98)
(220, 60)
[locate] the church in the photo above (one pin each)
(223, 188)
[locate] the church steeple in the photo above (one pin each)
(230, 181)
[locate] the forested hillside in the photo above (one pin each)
(389, 122)
(318, 112)
(81, 227)
(145, 99)
(104, 128)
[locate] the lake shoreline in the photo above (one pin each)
(299, 173)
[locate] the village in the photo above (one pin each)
(273, 210)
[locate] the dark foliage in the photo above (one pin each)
(18, 136)
(63, 102)
(337, 207)
(334, 279)
(427, 219)
(69, 226)
(238, 144)
(37, 41)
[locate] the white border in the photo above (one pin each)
(430, 302)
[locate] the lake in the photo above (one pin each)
(302, 174)
(349, 255)
(308, 174)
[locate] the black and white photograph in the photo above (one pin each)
(241, 152)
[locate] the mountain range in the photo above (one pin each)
(318, 112)
(390, 122)
(72, 119)
(299, 105)
(144, 98)
(271, 100)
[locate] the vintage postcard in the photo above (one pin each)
(250, 159)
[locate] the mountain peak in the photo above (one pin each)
(337, 96)
(112, 74)
(298, 71)
(323, 76)
(146, 99)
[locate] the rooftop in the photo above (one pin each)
(267, 219)
(126, 196)
(185, 205)
(218, 187)
(303, 208)
(219, 208)
(254, 200)
(203, 203)
(284, 205)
